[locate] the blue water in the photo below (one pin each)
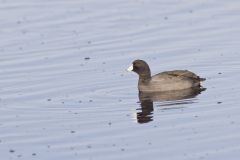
(65, 92)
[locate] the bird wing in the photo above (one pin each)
(180, 74)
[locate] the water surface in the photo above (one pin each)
(65, 93)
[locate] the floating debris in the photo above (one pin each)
(11, 151)
(89, 146)
(87, 58)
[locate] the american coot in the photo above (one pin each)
(165, 81)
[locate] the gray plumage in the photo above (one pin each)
(165, 81)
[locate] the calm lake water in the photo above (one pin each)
(65, 93)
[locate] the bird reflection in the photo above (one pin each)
(169, 98)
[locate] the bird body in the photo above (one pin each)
(165, 81)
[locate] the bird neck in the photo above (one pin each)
(145, 76)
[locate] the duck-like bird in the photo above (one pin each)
(165, 81)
